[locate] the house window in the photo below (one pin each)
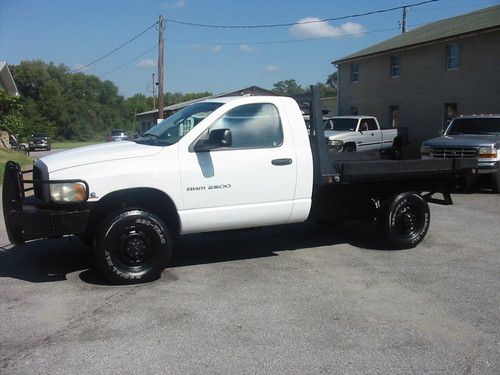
(452, 56)
(394, 112)
(395, 66)
(450, 112)
(354, 72)
(354, 111)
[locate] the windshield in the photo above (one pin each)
(173, 128)
(341, 124)
(474, 126)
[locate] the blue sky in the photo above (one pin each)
(200, 59)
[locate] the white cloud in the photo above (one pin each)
(173, 4)
(272, 68)
(216, 49)
(146, 63)
(203, 49)
(246, 48)
(312, 27)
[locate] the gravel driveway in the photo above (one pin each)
(286, 299)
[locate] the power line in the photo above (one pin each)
(285, 41)
(130, 61)
(298, 23)
(114, 50)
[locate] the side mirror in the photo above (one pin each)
(216, 138)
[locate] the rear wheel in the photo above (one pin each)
(133, 246)
(396, 151)
(404, 220)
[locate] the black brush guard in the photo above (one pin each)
(29, 218)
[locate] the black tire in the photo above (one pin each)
(404, 220)
(396, 150)
(133, 246)
(349, 148)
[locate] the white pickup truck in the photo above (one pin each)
(220, 164)
(363, 133)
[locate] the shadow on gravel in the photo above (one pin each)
(53, 260)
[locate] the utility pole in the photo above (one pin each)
(403, 23)
(154, 91)
(160, 68)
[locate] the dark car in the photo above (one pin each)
(117, 135)
(39, 141)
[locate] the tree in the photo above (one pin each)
(333, 80)
(75, 106)
(287, 88)
(10, 113)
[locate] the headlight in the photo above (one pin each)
(335, 144)
(487, 152)
(425, 150)
(67, 192)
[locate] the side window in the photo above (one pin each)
(395, 66)
(252, 126)
(452, 56)
(354, 72)
(372, 125)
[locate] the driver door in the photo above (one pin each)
(250, 183)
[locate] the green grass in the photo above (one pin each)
(72, 144)
(17, 156)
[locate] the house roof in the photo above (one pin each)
(481, 20)
(6, 79)
(252, 90)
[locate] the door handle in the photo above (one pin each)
(281, 161)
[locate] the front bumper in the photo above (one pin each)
(28, 218)
(486, 167)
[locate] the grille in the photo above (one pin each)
(37, 187)
(454, 153)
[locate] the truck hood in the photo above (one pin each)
(98, 154)
(463, 140)
(335, 134)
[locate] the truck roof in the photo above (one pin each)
(228, 99)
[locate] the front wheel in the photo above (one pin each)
(404, 220)
(133, 246)
(349, 148)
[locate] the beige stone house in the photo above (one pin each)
(423, 78)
